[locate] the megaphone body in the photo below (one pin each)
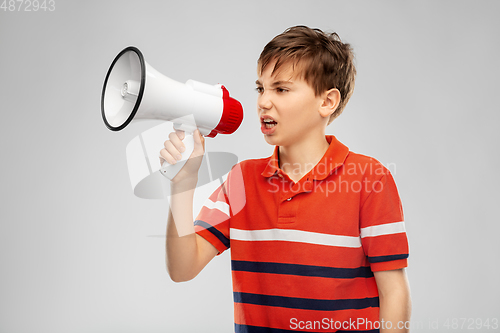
(134, 90)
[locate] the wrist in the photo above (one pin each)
(186, 184)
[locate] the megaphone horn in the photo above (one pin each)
(135, 90)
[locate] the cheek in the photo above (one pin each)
(300, 109)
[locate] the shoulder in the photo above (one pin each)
(363, 159)
(244, 175)
(252, 166)
(246, 172)
(361, 164)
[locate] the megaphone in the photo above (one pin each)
(134, 90)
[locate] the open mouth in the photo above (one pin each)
(269, 123)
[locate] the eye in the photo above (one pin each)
(260, 90)
(281, 90)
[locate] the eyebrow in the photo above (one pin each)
(275, 83)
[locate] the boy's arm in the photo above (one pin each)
(187, 254)
(395, 300)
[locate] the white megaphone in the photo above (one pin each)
(135, 90)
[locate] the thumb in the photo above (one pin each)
(199, 143)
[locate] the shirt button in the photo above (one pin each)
(288, 199)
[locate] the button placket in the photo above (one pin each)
(287, 210)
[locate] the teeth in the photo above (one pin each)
(270, 125)
(268, 120)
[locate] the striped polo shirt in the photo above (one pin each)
(303, 254)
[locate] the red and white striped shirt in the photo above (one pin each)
(303, 254)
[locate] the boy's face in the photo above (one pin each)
(290, 104)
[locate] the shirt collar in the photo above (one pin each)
(334, 157)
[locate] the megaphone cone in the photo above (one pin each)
(135, 90)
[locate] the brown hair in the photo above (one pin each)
(324, 60)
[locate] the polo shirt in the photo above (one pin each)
(303, 254)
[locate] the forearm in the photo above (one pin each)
(181, 246)
(395, 311)
(395, 300)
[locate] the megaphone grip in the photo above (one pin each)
(171, 170)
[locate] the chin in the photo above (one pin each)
(269, 140)
(275, 141)
(272, 140)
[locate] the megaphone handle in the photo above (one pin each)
(171, 170)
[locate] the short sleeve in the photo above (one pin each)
(382, 228)
(213, 221)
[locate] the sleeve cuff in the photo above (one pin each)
(209, 237)
(389, 265)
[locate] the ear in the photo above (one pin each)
(330, 101)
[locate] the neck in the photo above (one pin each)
(298, 159)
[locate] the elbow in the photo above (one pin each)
(178, 277)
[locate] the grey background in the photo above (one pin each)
(76, 252)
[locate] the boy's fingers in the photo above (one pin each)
(180, 134)
(165, 155)
(172, 150)
(176, 141)
(174, 147)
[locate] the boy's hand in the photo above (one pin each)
(175, 147)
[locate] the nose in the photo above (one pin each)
(264, 102)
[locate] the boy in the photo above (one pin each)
(316, 231)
